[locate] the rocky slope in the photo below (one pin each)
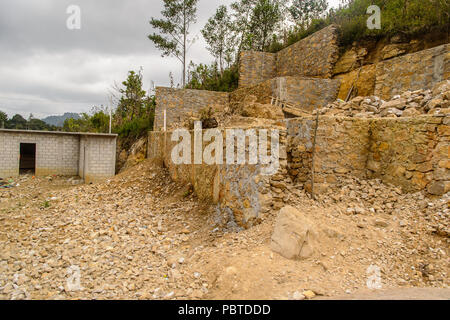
(140, 236)
(408, 104)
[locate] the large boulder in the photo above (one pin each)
(294, 236)
(439, 188)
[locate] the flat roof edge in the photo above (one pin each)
(112, 135)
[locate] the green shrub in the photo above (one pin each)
(135, 128)
(204, 77)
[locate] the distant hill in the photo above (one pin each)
(59, 120)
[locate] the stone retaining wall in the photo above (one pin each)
(313, 56)
(304, 93)
(181, 105)
(256, 67)
(414, 71)
(412, 153)
(420, 70)
(341, 149)
(240, 191)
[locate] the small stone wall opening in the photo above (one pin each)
(27, 160)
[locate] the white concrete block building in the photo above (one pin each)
(88, 155)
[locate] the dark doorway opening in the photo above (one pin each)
(27, 158)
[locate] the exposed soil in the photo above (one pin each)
(141, 236)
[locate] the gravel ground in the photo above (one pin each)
(141, 236)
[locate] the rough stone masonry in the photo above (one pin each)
(410, 152)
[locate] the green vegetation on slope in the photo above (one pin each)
(409, 17)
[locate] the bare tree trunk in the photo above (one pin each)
(184, 45)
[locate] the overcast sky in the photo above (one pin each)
(47, 69)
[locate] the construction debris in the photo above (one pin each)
(408, 104)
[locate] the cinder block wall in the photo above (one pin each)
(99, 158)
(92, 157)
(55, 154)
(181, 104)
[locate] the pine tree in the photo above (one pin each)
(264, 20)
(304, 11)
(219, 37)
(173, 39)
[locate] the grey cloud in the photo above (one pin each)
(47, 69)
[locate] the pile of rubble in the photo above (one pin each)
(141, 236)
(120, 235)
(374, 197)
(408, 104)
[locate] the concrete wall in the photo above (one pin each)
(181, 105)
(313, 56)
(55, 154)
(99, 158)
(90, 156)
(412, 153)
